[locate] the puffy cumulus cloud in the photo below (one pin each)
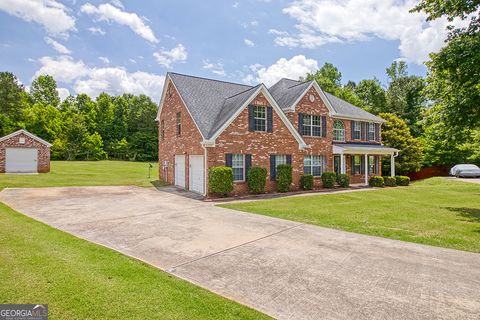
(57, 46)
(215, 68)
(118, 81)
(63, 93)
(93, 80)
(249, 42)
(324, 21)
(110, 13)
(167, 57)
(298, 66)
(51, 14)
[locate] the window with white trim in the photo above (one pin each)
(313, 165)
(260, 118)
(238, 167)
(372, 165)
(356, 130)
(371, 131)
(311, 125)
(338, 130)
(280, 159)
(357, 165)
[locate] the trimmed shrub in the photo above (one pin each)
(343, 180)
(376, 181)
(328, 179)
(284, 177)
(402, 180)
(257, 179)
(220, 180)
(306, 182)
(390, 181)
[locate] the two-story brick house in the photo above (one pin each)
(205, 123)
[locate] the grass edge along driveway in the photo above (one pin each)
(81, 280)
(436, 211)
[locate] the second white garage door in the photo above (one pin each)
(21, 160)
(197, 174)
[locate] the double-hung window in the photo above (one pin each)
(313, 165)
(260, 117)
(280, 159)
(372, 165)
(238, 167)
(371, 131)
(356, 130)
(338, 130)
(311, 125)
(357, 165)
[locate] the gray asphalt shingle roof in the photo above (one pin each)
(212, 102)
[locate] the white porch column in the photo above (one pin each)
(366, 168)
(392, 165)
(342, 163)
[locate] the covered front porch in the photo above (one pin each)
(364, 159)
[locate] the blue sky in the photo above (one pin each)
(128, 46)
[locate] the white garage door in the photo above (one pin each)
(196, 174)
(180, 171)
(21, 160)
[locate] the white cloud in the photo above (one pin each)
(325, 21)
(63, 93)
(215, 68)
(167, 57)
(93, 81)
(52, 15)
(117, 3)
(235, 4)
(132, 60)
(249, 42)
(298, 66)
(57, 46)
(109, 13)
(104, 60)
(95, 30)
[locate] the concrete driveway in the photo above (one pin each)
(285, 269)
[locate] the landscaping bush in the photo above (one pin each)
(220, 180)
(390, 181)
(257, 179)
(402, 180)
(284, 177)
(343, 180)
(328, 179)
(376, 181)
(306, 182)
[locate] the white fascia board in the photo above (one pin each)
(25, 132)
(320, 92)
(345, 117)
(164, 93)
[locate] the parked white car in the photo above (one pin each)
(465, 170)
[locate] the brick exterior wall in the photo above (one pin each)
(43, 163)
(237, 139)
(187, 143)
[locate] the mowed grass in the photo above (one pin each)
(81, 280)
(85, 173)
(438, 212)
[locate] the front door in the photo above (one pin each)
(337, 164)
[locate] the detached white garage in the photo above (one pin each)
(23, 152)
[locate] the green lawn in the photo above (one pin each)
(81, 280)
(436, 211)
(86, 173)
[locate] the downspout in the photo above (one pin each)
(205, 170)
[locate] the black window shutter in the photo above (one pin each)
(228, 159)
(362, 166)
(362, 128)
(251, 118)
(248, 163)
(352, 128)
(352, 169)
(324, 126)
(377, 132)
(273, 168)
(289, 159)
(377, 164)
(269, 119)
(300, 123)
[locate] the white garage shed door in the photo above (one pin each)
(180, 171)
(21, 160)
(197, 174)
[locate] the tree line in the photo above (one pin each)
(80, 128)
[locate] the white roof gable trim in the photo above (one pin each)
(320, 92)
(276, 107)
(25, 132)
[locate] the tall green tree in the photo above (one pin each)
(328, 78)
(373, 95)
(13, 99)
(396, 134)
(44, 91)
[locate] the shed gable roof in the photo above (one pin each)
(25, 132)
